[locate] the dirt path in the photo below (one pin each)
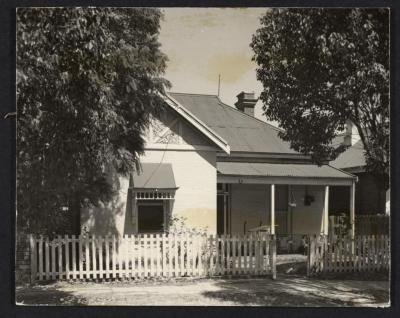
(287, 290)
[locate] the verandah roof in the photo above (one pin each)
(245, 172)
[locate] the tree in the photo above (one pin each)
(87, 80)
(321, 67)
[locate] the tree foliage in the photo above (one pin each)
(87, 80)
(321, 67)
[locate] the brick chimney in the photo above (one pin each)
(246, 103)
(351, 135)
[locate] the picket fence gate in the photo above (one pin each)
(344, 254)
(151, 255)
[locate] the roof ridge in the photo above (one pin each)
(247, 115)
(196, 94)
(231, 107)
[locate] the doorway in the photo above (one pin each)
(223, 217)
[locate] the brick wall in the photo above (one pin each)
(339, 200)
(370, 199)
(22, 259)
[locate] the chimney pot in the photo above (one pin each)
(246, 103)
(351, 135)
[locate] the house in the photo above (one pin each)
(370, 198)
(220, 169)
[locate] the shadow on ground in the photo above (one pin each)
(299, 291)
(49, 294)
(293, 288)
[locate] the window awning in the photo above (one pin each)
(272, 173)
(154, 176)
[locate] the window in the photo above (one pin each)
(151, 209)
(151, 216)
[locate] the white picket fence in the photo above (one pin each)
(361, 254)
(151, 255)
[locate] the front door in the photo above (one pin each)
(222, 209)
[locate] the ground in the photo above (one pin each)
(291, 288)
(285, 291)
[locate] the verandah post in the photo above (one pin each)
(272, 215)
(272, 249)
(326, 212)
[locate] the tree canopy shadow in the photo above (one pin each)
(49, 294)
(297, 291)
(102, 219)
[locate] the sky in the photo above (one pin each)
(202, 43)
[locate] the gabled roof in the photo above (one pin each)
(243, 133)
(353, 157)
(233, 130)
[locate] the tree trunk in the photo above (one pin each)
(75, 209)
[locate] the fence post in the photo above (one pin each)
(311, 256)
(272, 254)
(308, 255)
(32, 252)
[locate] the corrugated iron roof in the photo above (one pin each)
(351, 158)
(241, 131)
(280, 170)
(154, 176)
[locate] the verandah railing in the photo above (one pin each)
(151, 255)
(362, 254)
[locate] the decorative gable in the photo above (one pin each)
(172, 129)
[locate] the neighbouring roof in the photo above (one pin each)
(154, 176)
(242, 132)
(351, 158)
(280, 170)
